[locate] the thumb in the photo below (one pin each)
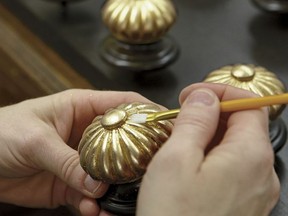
(197, 122)
(63, 161)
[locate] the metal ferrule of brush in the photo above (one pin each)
(164, 115)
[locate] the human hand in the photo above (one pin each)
(39, 163)
(213, 164)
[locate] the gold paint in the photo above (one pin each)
(139, 21)
(252, 78)
(116, 151)
(113, 119)
(242, 73)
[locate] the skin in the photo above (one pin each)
(213, 164)
(39, 163)
(222, 166)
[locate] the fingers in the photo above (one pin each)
(246, 130)
(224, 92)
(88, 207)
(74, 110)
(70, 112)
(99, 101)
(246, 142)
(276, 189)
(196, 124)
(63, 161)
(83, 205)
(241, 123)
(250, 125)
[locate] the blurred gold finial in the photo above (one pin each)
(139, 21)
(252, 78)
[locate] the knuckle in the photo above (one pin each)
(70, 91)
(172, 159)
(193, 122)
(132, 94)
(166, 159)
(33, 141)
(35, 145)
(68, 166)
(273, 193)
(265, 159)
(261, 155)
(268, 157)
(276, 189)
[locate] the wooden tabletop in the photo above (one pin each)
(28, 67)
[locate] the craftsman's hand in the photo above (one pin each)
(220, 165)
(39, 163)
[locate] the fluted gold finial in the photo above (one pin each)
(250, 77)
(138, 21)
(115, 150)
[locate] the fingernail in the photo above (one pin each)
(201, 97)
(91, 185)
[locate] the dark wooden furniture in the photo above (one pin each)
(28, 67)
(210, 34)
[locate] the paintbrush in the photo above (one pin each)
(225, 106)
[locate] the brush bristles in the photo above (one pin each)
(138, 118)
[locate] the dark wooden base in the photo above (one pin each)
(274, 6)
(139, 57)
(278, 134)
(121, 199)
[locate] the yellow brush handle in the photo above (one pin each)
(229, 106)
(253, 103)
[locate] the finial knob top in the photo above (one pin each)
(139, 21)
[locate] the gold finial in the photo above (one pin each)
(252, 78)
(139, 21)
(115, 150)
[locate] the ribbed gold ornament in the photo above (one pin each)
(138, 21)
(115, 150)
(256, 79)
